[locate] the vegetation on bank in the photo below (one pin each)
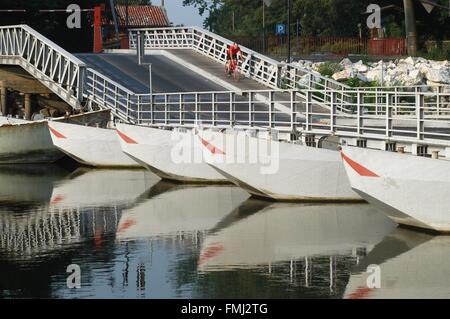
(325, 18)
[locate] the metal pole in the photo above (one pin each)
(140, 46)
(289, 32)
(264, 27)
(126, 14)
(410, 25)
(150, 79)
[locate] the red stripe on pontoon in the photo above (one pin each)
(361, 170)
(211, 148)
(56, 133)
(126, 138)
(360, 293)
(212, 251)
(58, 198)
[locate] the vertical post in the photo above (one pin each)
(81, 82)
(271, 123)
(388, 116)
(359, 113)
(231, 110)
(293, 119)
(126, 14)
(98, 45)
(264, 27)
(196, 109)
(28, 110)
(420, 115)
(250, 109)
(333, 111)
(140, 46)
(181, 109)
(213, 101)
(289, 32)
(150, 79)
(410, 25)
(308, 110)
(3, 98)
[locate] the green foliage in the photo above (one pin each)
(329, 68)
(355, 82)
(341, 48)
(318, 18)
(436, 53)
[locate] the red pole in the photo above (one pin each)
(98, 45)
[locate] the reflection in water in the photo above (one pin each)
(412, 265)
(135, 236)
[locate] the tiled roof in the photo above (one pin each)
(142, 16)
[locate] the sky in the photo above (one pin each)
(181, 15)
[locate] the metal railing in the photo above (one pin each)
(413, 116)
(256, 66)
(388, 115)
(57, 69)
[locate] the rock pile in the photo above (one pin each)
(402, 72)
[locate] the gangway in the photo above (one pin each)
(273, 95)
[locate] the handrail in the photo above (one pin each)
(57, 69)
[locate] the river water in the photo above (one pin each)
(131, 235)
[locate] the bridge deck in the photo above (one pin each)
(168, 76)
(214, 68)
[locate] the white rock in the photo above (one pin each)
(437, 75)
(346, 63)
(360, 67)
(409, 61)
(362, 77)
(343, 75)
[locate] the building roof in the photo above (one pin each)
(142, 16)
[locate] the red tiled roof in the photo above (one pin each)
(142, 16)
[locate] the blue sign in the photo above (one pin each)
(280, 29)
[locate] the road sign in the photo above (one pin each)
(280, 29)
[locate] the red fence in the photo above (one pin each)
(336, 45)
(387, 47)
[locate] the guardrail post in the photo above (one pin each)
(213, 104)
(271, 124)
(139, 109)
(232, 115)
(152, 111)
(420, 114)
(81, 83)
(438, 100)
(166, 114)
(293, 114)
(359, 113)
(196, 109)
(181, 109)
(250, 109)
(128, 107)
(389, 120)
(308, 110)
(333, 107)
(279, 71)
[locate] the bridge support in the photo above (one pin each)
(3, 98)
(28, 110)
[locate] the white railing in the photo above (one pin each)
(57, 69)
(256, 66)
(374, 114)
(389, 115)
(263, 69)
